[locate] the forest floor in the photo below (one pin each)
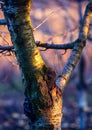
(13, 118)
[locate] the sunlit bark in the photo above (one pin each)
(43, 102)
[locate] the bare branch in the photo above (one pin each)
(43, 21)
(55, 46)
(6, 48)
(64, 76)
(40, 44)
(44, 45)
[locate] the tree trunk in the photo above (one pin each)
(82, 94)
(43, 102)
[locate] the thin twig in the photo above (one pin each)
(5, 39)
(45, 20)
(8, 48)
(64, 52)
(55, 46)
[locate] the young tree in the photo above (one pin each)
(43, 90)
(82, 94)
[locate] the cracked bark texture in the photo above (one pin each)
(43, 102)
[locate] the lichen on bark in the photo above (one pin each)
(43, 102)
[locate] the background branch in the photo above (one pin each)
(44, 45)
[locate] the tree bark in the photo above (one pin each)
(43, 101)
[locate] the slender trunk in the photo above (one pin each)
(82, 95)
(43, 102)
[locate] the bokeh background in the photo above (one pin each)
(57, 22)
